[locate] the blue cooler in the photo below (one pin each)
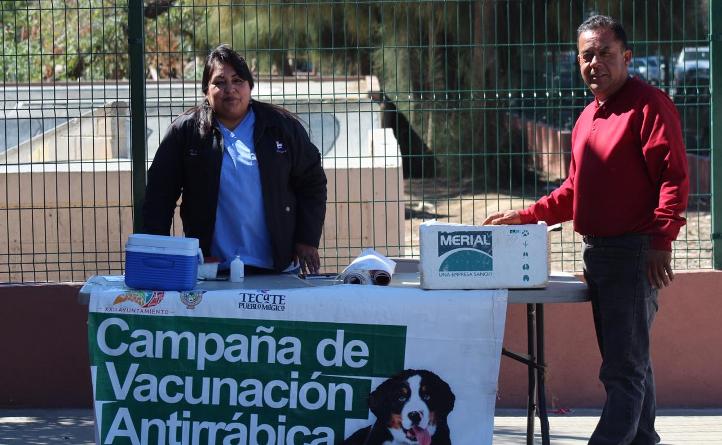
(161, 262)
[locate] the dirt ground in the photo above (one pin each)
(458, 202)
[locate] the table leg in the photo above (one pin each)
(541, 374)
(532, 372)
(534, 360)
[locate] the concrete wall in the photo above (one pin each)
(102, 133)
(66, 193)
(685, 349)
(45, 359)
(69, 221)
(64, 222)
(44, 347)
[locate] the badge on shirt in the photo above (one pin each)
(280, 148)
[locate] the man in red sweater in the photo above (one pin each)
(626, 190)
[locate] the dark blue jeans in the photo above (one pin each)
(624, 305)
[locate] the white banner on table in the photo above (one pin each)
(296, 366)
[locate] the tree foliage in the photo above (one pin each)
(457, 70)
(61, 40)
(57, 40)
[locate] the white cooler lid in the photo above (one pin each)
(142, 242)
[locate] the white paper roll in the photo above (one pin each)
(369, 268)
(356, 277)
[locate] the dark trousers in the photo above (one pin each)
(624, 305)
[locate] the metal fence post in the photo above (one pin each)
(136, 49)
(715, 43)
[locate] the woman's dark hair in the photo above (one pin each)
(604, 22)
(222, 54)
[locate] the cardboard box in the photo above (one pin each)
(456, 256)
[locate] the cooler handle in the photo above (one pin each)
(158, 263)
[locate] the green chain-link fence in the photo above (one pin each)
(421, 109)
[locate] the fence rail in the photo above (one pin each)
(433, 109)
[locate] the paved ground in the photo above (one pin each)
(75, 427)
(676, 427)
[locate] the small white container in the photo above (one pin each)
(237, 273)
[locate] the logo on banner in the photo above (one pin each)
(141, 302)
(191, 298)
(262, 300)
(144, 299)
(466, 251)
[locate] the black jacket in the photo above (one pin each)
(292, 181)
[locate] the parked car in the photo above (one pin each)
(646, 68)
(657, 68)
(692, 66)
(562, 70)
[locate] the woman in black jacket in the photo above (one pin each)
(251, 181)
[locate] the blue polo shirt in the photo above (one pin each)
(240, 218)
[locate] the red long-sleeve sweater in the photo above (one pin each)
(628, 172)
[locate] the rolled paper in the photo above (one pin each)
(370, 267)
(380, 277)
(356, 277)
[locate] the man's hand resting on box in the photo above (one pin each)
(507, 217)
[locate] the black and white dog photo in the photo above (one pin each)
(411, 408)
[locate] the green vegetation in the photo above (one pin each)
(63, 40)
(455, 73)
(60, 40)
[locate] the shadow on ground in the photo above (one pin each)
(27, 428)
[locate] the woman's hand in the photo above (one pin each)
(308, 258)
